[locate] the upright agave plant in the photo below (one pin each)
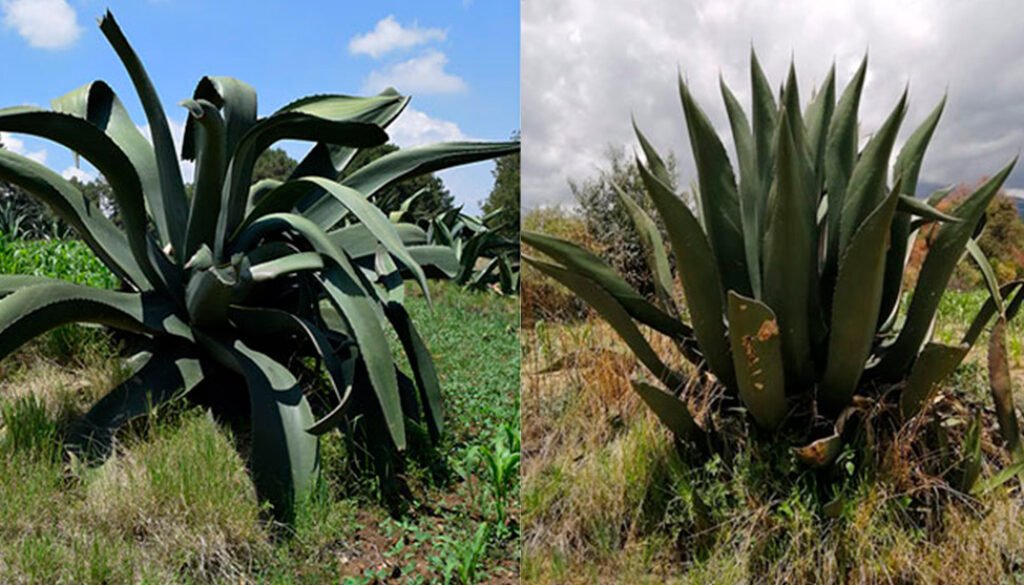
(792, 274)
(232, 289)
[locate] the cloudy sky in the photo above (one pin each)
(588, 65)
(459, 59)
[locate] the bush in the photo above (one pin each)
(542, 298)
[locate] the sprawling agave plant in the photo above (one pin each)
(792, 275)
(234, 288)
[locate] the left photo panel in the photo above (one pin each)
(259, 292)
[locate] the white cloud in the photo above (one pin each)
(17, 146)
(45, 24)
(389, 35)
(82, 175)
(587, 66)
(1018, 193)
(414, 128)
(420, 75)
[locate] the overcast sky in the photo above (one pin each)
(587, 65)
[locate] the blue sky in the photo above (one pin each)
(459, 59)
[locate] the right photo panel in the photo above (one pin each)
(772, 285)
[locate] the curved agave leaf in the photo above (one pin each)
(422, 364)
(167, 374)
(68, 203)
(400, 165)
(943, 255)
(593, 268)
(284, 458)
(97, 103)
(360, 314)
(34, 310)
(935, 363)
(988, 274)
(1002, 389)
(290, 264)
(672, 412)
(95, 146)
(315, 121)
(654, 245)
(698, 273)
(172, 189)
(439, 258)
(235, 98)
(358, 241)
(616, 316)
(209, 175)
(757, 356)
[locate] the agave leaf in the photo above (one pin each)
(1002, 389)
(94, 145)
(909, 206)
(988, 309)
(284, 459)
(172, 189)
(840, 158)
(360, 314)
(672, 412)
(790, 268)
(866, 188)
(400, 165)
(820, 453)
(97, 103)
(698, 274)
(943, 255)
(299, 262)
(763, 118)
(936, 362)
(720, 205)
(757, 356)
(654, 161)
(98, 232)
(315, 121)
(818, 116)
(616, 315)
(654, 246)
(437, 261)
(422, 365)
(166, 375)
(588, 265)
(858, 293)
(988, 274)
(209, 175)
(750, 193)
(235, 98)
(34, 310)
(970, 468)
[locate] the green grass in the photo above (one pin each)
(175, 504)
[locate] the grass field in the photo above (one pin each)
(607, 498)
(175, 505)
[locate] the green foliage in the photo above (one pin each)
(433, 200)
(790, 280)
(274, 164)
(241, 286)
(485, 257)
(506, 193)
(615, 237)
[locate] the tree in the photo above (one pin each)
(506, 191)
(435, 200)
(608, 222)
(273, 164)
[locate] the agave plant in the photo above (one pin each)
(473, 240)
(792, 274)
(236, 289)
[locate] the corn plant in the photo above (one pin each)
(236, 290)
(792, 271)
